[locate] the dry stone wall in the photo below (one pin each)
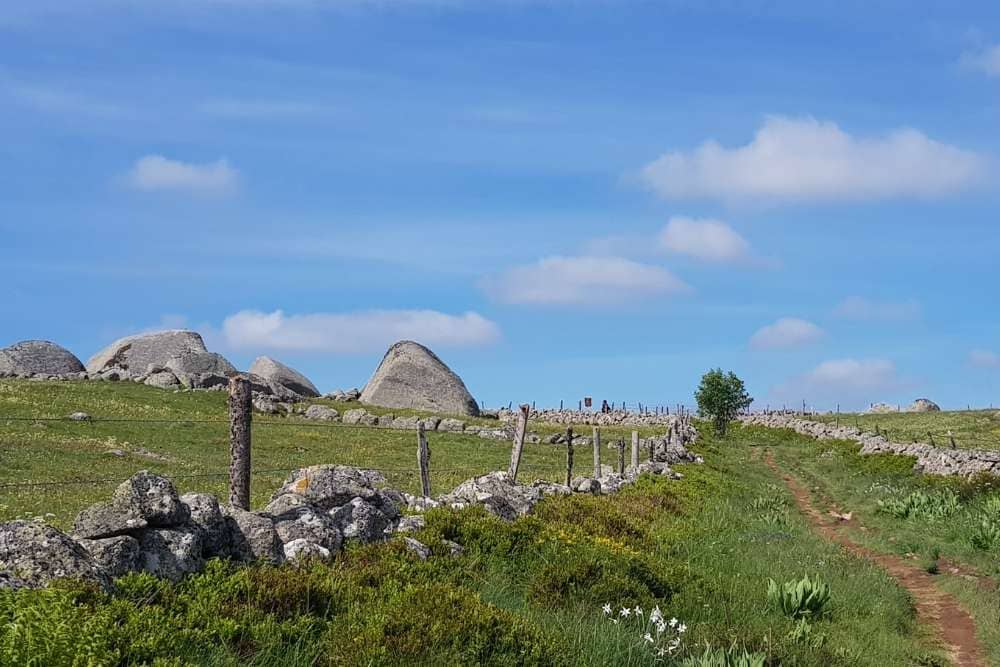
(930, 460)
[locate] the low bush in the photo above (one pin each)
(930, 506)
(799, 599)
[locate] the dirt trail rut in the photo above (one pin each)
(935, 608)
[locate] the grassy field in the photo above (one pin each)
(948, 526)
(530, 592)
(971, 429)
(190, 430)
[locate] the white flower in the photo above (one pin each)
(648, 637)
(656, 615)
(661, 652)
(682, 628)
(625, 611)
(673, 622)
(660, 627)
(638, 610)
(606, 609)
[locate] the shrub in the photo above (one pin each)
(721, 396)
(922, 505)
(799, 599)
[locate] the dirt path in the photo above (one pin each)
(935, 608)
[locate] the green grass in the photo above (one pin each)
(527, 592)
(40, 451)
(972, 429)
(931, 520)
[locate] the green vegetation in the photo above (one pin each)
(721, 397)
(805, 598)
(948, 526)
(970, 429)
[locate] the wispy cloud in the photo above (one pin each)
(262, 109)
(799, 159)
(708, 240)
(849, 381)
(785, 333)
(860, 308)
(354, 332)
(601, 281)
(984, 359)
(51, 99)
(986, 60)
(155, 172)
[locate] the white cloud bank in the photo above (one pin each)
(866, 310)
(709, 240)
(786, 332)
(601, 281)
(848, 381)
(157, 173)
(986, 61)
(984, 359)
(798, 159)
(356, 332)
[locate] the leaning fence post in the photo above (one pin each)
(597, 453)
(569, 455)
(423, 461)
(515, 454)
(240, 415)
(635, 449)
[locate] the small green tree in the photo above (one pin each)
(721, 397)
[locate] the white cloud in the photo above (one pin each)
(786, 332)
(987, 60)
(793, 159)
(599, 281)
(860, 308)
(984, 359)
(155, 172)
(709, 240)
(848, 381)
(355, 332)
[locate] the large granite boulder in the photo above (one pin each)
(411, 376)
(135, 354)
(195, 368)
(277, 373)
(39, 357)
(923, 405)
(36, 554)
(331, 486)
(142, 500)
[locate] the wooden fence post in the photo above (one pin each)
(423, 461)
(515, 454)
(240, 416)
(597, 453)
(621, 456)
(635, 449)
(569, 455)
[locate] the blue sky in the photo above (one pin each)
(560, 198)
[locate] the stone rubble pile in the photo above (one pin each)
(147, 527)
(929, 459)
(592, 417)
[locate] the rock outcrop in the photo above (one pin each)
(411, 376)
(38, 357)
(37, 554)
(200, 370)
(923, 405)
(278, 373)
(133, 355)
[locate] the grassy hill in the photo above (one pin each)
(971, 429)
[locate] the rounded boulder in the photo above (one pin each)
(411, 376)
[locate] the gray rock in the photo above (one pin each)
(411, 524)
(330, 486)
(923, 405)
(296, 519)
(142, 500)
(362, 521)
(321, 413)
(406, 423)
(207, 518)
(170, 553)
(163, 380)
(417, 548)
(193, 369)
(133, 354)
(586, 485)
(411, 376)
(454, 548)
(115, 555)
(251, 537)
(278, 373)
(298, 551)
(79, 417)
(354, 416)
(10, 582)
(37, 554)
(451, 425)
(38, 357)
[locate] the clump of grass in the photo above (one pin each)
(930, 506)
(799, 599)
